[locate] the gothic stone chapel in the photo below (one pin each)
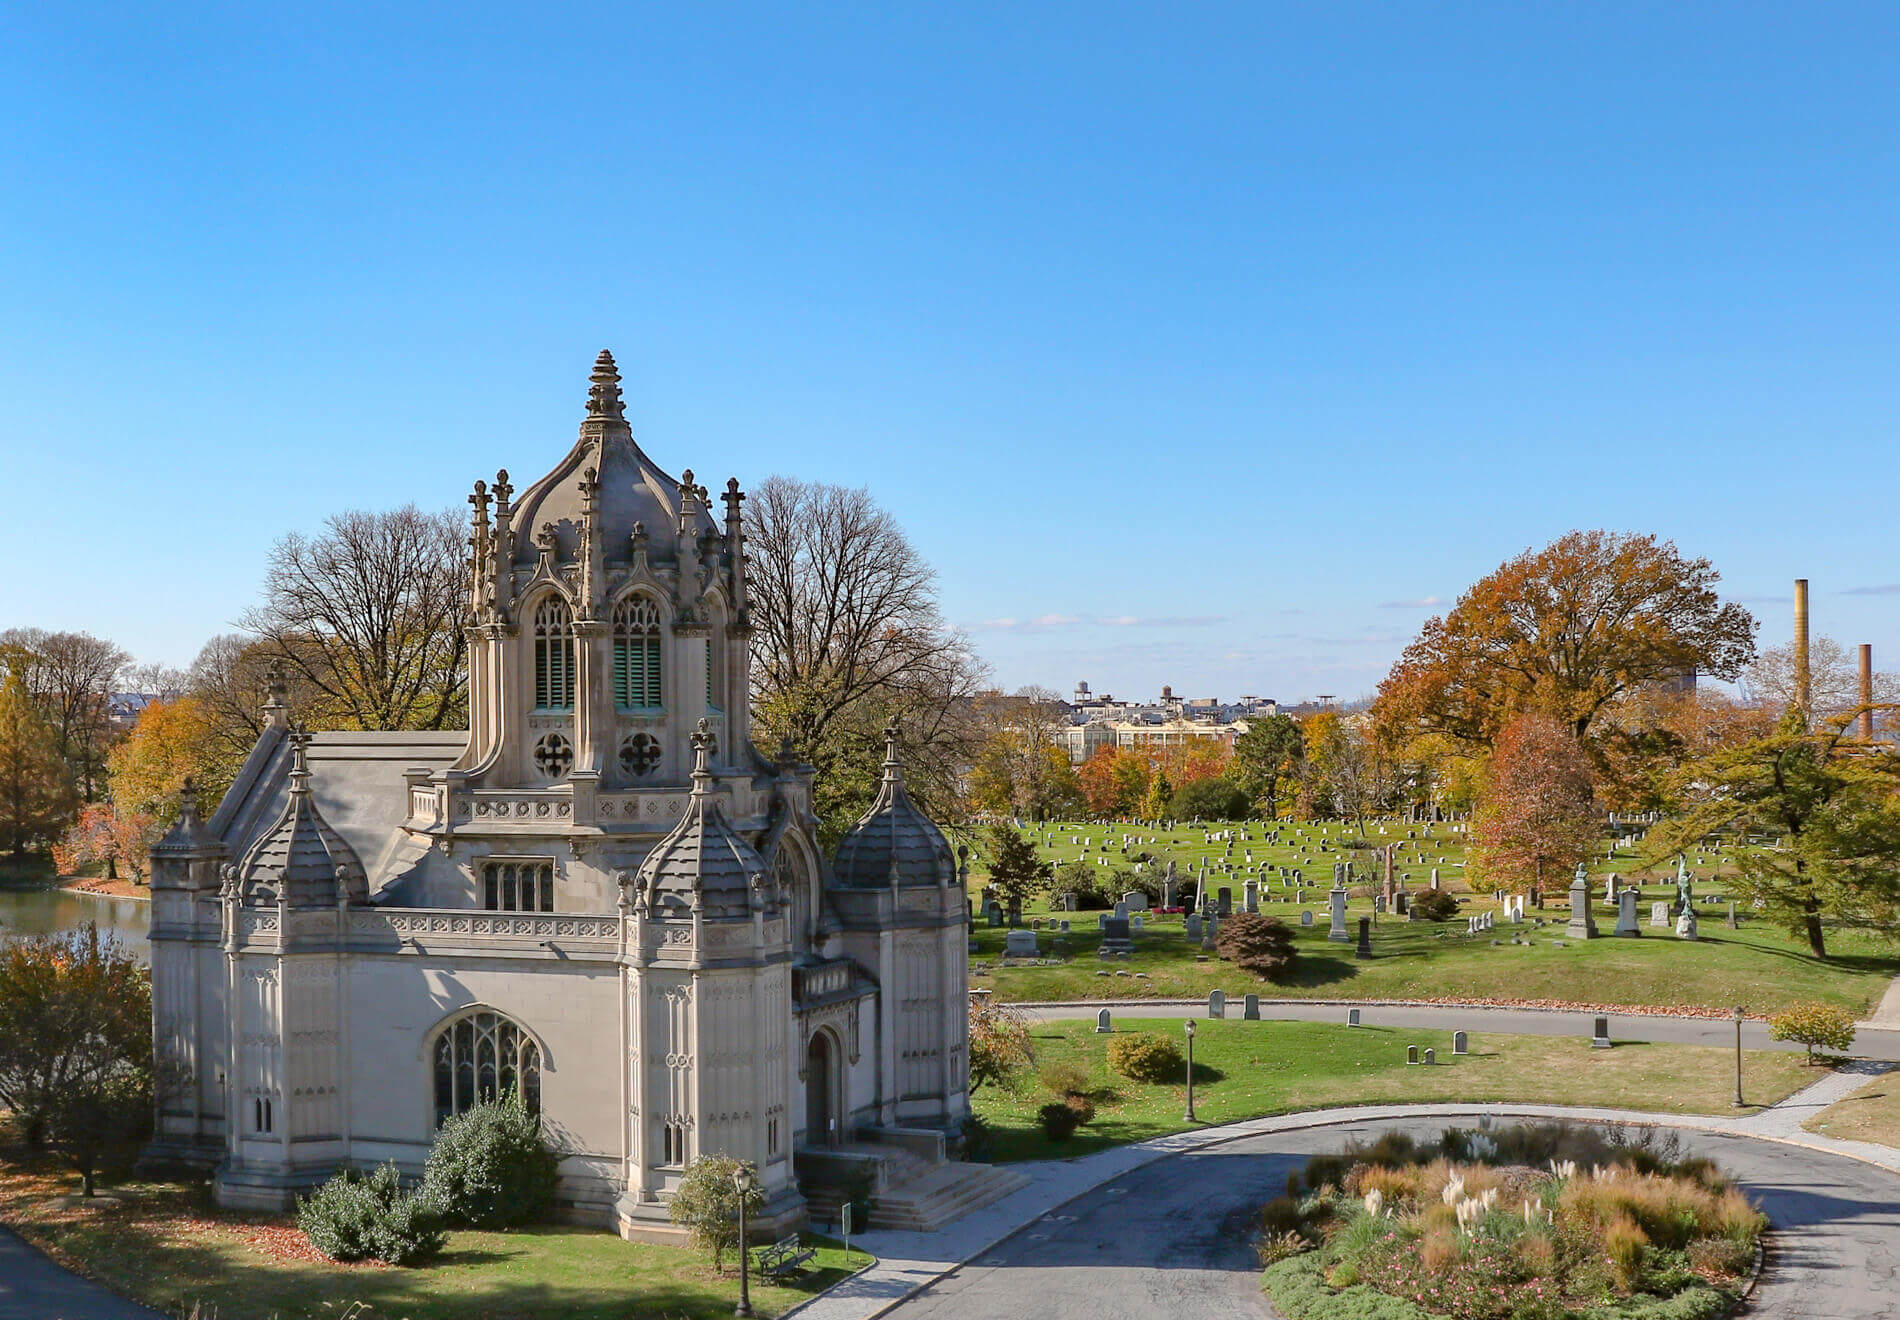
(601, 896)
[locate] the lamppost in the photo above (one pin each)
(1740, 1013)
(1188, 1026)
(742, 1180)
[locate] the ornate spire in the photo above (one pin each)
(603, 394)
(893, 767)
(276, 698)
(702, 759)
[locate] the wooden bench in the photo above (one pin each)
(782, 1258)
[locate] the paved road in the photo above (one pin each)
(1868, 1042)
(1171, 1239)
(34, 1288)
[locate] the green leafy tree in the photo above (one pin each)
(1266, 756)
(1016, 870)
(706, 1204)
(37, 798)
(75, 1040)
(1158, 798)
(1834, 806)
(1210, 799)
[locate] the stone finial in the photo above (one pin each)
(276, 697)
(733, 497)
(590, 490)
(479, 499)
(503, 491)
(787, 753)
(603, 391)
(702, 757)
(300, 761)
(547, 538)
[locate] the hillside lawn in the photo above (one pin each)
(1252, 1069)
(1758, 965)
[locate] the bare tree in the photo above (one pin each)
(70, 676)
(847, 635)
(1833, 678)
(371, 614)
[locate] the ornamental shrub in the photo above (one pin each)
(1212, 799)
(1433, 904)
(1082, 1107)
(1146, 1058)
(1815, 1025)
(491, 1167)
(1065, 1078)
(706, 1204)
(1058, 1120)
(356, 1218)
(1257, 943)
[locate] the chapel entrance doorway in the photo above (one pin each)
(821, 1127)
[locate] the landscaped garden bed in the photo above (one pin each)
(1536, 1222)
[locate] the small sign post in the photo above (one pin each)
(844, 1229)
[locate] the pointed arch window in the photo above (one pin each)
(482, 1056)
(637, 654)
(553, 655)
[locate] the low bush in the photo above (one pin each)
(1146, 1058)
(1256, 943)
(1065, 1078)
(352, 1217)
(491, 1167)
(1058, 1120)
(1082, 1107)
(1817, 1026)
(1433, 904)
(1720, 1256)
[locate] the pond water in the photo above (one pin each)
(45, 911)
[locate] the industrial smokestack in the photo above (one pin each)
(1866, 692)
(1802, 693)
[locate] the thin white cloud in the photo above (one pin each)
(1884, 589)
(1056, 622)
(1422, 603)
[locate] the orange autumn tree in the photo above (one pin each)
(1566, 630)
(1112, 781)
(1536, 818)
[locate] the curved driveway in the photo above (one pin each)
(1172, 1238)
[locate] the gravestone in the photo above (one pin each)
(1135, 901)
(995, 915)
(1411, 1054)
(1216, 1004)
(1102, 1023)
(1070, 902)
(1460, 1043)
(1600, 1039)
(1250, 895)
(1352, 1017)
(1626, 914)
(1306, 917)
(1434, 877)
(1250, 1008)
(1134, 924)
(1116, 938)
(1686, 924)
(1431, 1057)
(1194, 926)
(1583, 923)
(1730, 920)
(1365, 938)
(1338, 934)
(1225, 906)
(1020, 944)
(1121, 910)
(1065, 927)
(1659, 915)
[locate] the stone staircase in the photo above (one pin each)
(913, 1194)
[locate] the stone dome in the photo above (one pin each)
(632, 492)
(704, 865)
(300, 860)
(894, 843)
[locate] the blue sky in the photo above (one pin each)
(1193, 344)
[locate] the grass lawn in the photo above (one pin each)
(1250, 1069)
(1757, 965)
(168, 1248)
(1870, 1114)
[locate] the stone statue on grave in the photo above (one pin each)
(1685, 887)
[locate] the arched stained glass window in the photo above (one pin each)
(553, 655)
(482, 1056)
(637, 654)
